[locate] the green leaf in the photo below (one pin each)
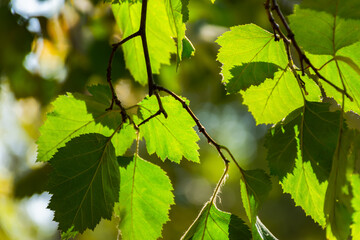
(337, 199)
(305, 188)
(343, 68)
(145, 199)
(84, 183)
(323, 33)
(215, 224)
(318, 131)
(185, 10)
(343, 8)
(174, 10)
(255, 185)
(249, 74)
(159, 33)
(76, 114)
(274, 99)
(188, 49)
(173, 137)
(300, 152)
(246, 44)
(355, 202)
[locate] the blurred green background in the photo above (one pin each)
(50, 47)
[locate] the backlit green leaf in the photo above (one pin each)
(301, 149)
(145, 199)
(84, 183)
(305, 188)
(247, 44)
(173, 137)
(159, 33)
(215, 224)
(250, 74)
(255, 185)
(327, 34)
(76, 114)
(343, 68)
(274, 99)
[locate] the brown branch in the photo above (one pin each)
(109, 71)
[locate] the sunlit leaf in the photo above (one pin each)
(247, 44)
(342, 70)
(327, 34)
(305, 188)
(159, 33)
(173, 137)
(215, 224)
(255, 185)
(76, 114)
(274, 99)
(250, 74)
(84, 182)
(145, 199)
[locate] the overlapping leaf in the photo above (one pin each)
(337, 199)
(305, 189)
(76, 114)
(215, 224)
(145, 199)
(255, 185)
(247, 44)
(343, 69)
(327, 34)
(172, 137)
(337, 39)
(159, 33)
(301, 150)
(84, 182)
(274, 99)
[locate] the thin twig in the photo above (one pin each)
(149, 118)
(109, 70)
